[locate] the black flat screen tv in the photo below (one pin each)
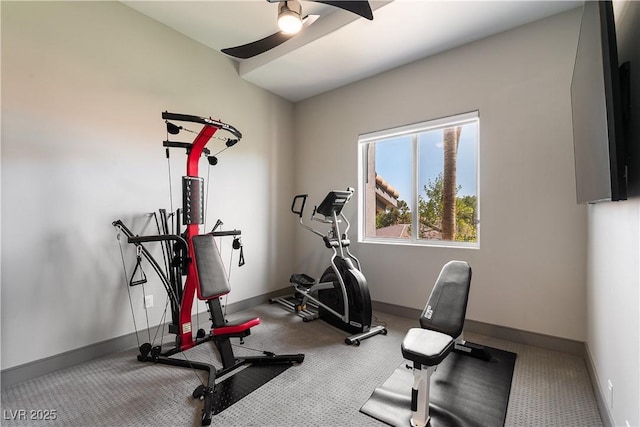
(597, 109)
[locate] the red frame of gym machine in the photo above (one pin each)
(193, 158)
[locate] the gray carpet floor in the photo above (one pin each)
(327, 389)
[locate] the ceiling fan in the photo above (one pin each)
(291, 22)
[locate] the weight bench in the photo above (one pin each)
(441, 322)
(212, 285)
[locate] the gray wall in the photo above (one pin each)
(83, 88)
(529, 272)
(613, 274)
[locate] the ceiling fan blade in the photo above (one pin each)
(257, 47)
(362, 8)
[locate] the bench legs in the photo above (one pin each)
(425, 349)
(420, 394)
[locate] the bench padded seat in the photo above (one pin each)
(426, 347)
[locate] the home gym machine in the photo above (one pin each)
(341, 296)
(196, 256)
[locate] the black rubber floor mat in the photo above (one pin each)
(239, 385)
(464, 392)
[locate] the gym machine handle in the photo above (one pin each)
(225, 233)
(142, 239)
(161, 238)
(185, 145)
(295, 200)
(202, 120)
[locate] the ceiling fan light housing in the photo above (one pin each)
(289, 17)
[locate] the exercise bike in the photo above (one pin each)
(341, 296)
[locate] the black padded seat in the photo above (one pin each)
(426, 347)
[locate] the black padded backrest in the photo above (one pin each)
(447, 306)
(211, 273)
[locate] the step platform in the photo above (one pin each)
(302, 280)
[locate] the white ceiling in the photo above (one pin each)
(340, 47)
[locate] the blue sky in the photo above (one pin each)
(393, 161)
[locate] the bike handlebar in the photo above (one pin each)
(293, 204)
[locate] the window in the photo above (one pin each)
(419, 183)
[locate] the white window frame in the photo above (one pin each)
(414, 130)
